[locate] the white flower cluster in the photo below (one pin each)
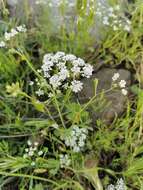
(64, 160)
(76, 139)
(63, 70)
(121, 84)
(120, 185)
(32, 151)
(12, 33)
(54, 3)
(113, 17)
(41, 84)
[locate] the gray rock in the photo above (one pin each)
(114, 102)
(12, 2)
(22, 9)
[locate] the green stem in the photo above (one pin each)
(29, 176)
(59, 111)
(88, 103)
(48, 112)
(14, 136)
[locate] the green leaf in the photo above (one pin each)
(39, 187)
(75, 113)
(135, 89)
(135, 168)
(39, 106)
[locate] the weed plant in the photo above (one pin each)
(47, 139)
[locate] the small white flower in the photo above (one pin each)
(110, 187)
(115, 76)
(70, 57)
(31, 83)
(13, 32)
(55, 81)
(40, 153)
(36, 143)
(55, 125)
(7, 36)
(2, 44)
(55, 59)
(75, 70)
(81, 62)
(77, 130)
(84, 130)
(127, 28)
(26, 150)
(106, 21)
(50, 95)
(76, 86)
(124, 92)
(122, 83)
(81, 143)
(39, 92)
(39, 70)
(83, 136)
(21, 28)
(47, 57)
(47, 65)
(75, 63)
(46, 74)
(87, 71)
(64, 160)
(120, 185)
(63, 74)
(29, 142)
(60, 54)
(31, 148)
(33, 163)
(31, 153)
(61, 65)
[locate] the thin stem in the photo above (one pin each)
(59, 111)
(92, 99)
(48, 112)
(29, 176)
(14, 136)
(66, 98)
(88, 103)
